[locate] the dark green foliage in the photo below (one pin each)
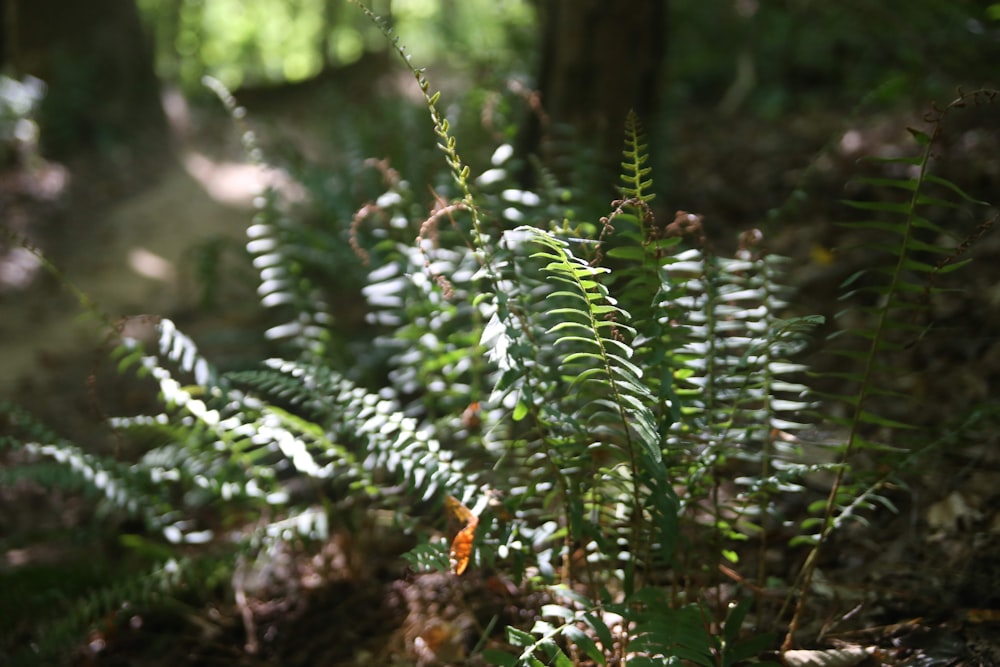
(774, 57)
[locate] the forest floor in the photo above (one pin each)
(920, 587)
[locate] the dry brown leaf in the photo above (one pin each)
(949, 514)
(834, 657)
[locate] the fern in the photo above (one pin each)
(595, 326)
(640, 251)
(659, 634)
(107, 608)
(119, 484)
(277, 252)
(735, 364)
(607, 412)
(614, 406)
(888, 325)
(564, 378)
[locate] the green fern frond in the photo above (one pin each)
(277, 253)
(277, 256)
(446, 142)
(883, 329)
(635, 182)
(570, 615)
(440, 366)
(914, 256)
(391, 441)
(122, 486)
(639, 251)
(733, 385)
(594, 330)
(608, 413)
(106, 604)
(239, 439)
(738, 347)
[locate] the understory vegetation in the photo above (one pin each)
(604, 414)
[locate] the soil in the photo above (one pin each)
(919, 589)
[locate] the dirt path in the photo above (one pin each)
(132, 256)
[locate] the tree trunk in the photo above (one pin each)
(600, 58)
(98, 64)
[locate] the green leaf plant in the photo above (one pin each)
(888, 315)
(614, 401)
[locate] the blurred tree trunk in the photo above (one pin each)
(600, 58)
(97, 61)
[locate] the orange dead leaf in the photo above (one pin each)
(461, 546)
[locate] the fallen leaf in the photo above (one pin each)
(835, 657)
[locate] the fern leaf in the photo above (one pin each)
(593, 313)
(635, 184)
